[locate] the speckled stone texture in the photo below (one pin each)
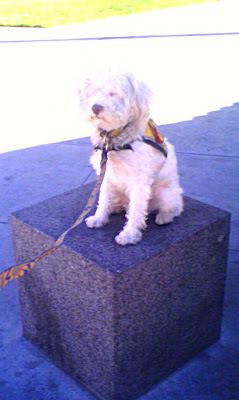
(119, 319)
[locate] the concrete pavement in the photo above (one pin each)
(196, 105)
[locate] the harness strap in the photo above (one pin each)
(156, 145)
(19, 270)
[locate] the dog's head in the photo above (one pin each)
(113, 100)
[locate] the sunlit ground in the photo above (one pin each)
(190, 76)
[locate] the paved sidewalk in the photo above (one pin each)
(197, 106)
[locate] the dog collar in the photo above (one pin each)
(107, 138)
(116, 148)
(114, 132)
(151, 137)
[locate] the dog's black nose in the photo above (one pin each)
(97, 108)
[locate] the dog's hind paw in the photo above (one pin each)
(94, 222)
(126, 237)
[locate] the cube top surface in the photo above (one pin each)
(53, 216)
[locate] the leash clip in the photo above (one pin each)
(106, 143)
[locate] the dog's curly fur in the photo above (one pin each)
(139, 181)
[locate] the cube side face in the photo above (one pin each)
(168, 309)
(66, 307)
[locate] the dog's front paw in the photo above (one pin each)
(94, 222)
(126, 237)
(164, 218)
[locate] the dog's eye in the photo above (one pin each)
(112, 94)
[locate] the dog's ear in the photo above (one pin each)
(81, 86)
(84, 87)
(142, 94)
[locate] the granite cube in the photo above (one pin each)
(120, 318)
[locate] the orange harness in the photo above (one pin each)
(154, 138)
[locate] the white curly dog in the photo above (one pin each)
(139, 178)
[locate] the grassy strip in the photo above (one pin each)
(46, 13)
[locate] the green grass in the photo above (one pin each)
(48, 13)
